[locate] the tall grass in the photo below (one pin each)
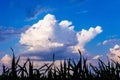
(68, 70)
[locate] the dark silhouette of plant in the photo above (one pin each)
(68, 70)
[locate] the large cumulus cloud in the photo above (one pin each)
(50, 36)
(48, 33)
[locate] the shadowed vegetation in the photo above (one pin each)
(68, 70)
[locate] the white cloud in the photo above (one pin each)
(97, 57)
(111, 41)
(65, 23)
(49, 34)
(85, 36)
(6, 59)
(115, 53)
(105, 42)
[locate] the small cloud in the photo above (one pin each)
(6, 59)
(115, 53)
(111, 41)
(65, 23)
(97, 57)
(113, 36)
(98, 44)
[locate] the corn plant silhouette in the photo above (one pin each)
(69, 69)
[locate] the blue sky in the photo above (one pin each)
(17, 16)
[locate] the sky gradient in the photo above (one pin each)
(39, 28)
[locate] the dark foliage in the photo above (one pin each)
(68, 70)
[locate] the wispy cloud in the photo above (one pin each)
(109, 42)
(11, 30)
(6, 32)
(31, 8)
(82, 12)
(33, 13)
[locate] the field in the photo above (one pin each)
(68, 70)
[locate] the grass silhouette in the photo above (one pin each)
(68, 70)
